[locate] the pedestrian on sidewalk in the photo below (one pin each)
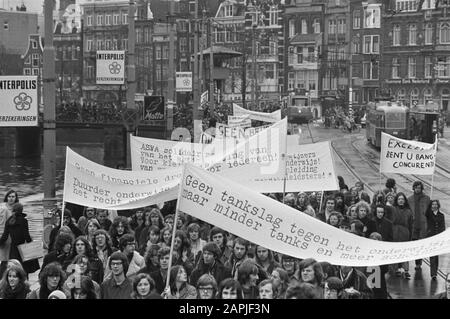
(435, 225)
(9, 200)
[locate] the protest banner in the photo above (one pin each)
(406, 157)
(258, 116)
(90, 184)
(226, 131)
(148, 154)
(19, 98)
(269, 223)
(110, 67)
(243, 121)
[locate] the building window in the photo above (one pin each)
(99, 45)
(428, 96)
(332, 26)
(412, 34)
(74, 52)
(27, 71)
(291, 81)
(34, 44)
(124, 44)
(125, 18)
(116, 19)
(428, 67)
(414, 96)
(395, 68)
(371, 44)
(291, 28)
(273, 13)
(183, 26)
(356, 46)
(411, 67)
(396, 35)
(89, 45)
(35, 60)
(228, 10)
(89, 21)
(356, 19)
(372, 16)
(401, 96)
(316, 26)
(35, 71)
(428, 33)
(90, 72)
(304, 27)
(108, 19)
(183, 44)
(99, 19)
(341, 26)
(108, 44)
(406, 5)
(158, 53)
(443, 67)
(445, 33)
(6, 25)
(299, 55)
(370, 70)
(114, 43)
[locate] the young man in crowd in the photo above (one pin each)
(118, 286)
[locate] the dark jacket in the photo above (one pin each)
(435, 223)
(419, 205)
(402, 221)
(160, 282)
(55, 231)
(16, 228)
(20, 292)
(358, 281)
(63, 259)
(384, 228)
(217, 270)
(369, 226)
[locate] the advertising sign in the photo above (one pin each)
(184, 82)
(154, 108)
(19, 102)
(110, 67)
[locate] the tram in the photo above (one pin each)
(389, 117)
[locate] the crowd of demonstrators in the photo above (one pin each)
(119, 257)
(90, 112)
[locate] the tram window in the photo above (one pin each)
(395, 120)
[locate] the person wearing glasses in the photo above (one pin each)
(136, 262)
(206, 287)
(118, 286)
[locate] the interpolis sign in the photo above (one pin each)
(110, 67)
(19, 102)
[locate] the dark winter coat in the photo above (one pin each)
(20, 292)
(369, 226)
(435, 223)
(419, 205)
(384, 228)
(402, 221)
(217, 270)
(55, 231)
(63, 259)
(16, 227)
(358, 281)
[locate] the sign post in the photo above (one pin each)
(110, 67)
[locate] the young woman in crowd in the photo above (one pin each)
(16, 228)
(334, 219)
(14, 283)
(151, 260)
(92, 225)
(9, 200)
(88, 214)
(79, 267)
(83, 248)
(119, 228)
(166, 237)
(402, 228)
(196, 243)
(67, 223)
(182, 247)
(280, 281)
(102, 247)
(178, 285)
(86, 289)
(51, 278)
(144, 287)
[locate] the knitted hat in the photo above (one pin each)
(212, 248)
(57, 294)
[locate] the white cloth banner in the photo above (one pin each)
(406, 157)
(257, 161)
(258, 116)
(269, 223)
(90, 184)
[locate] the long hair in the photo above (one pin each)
(173, 278)
(93, 221)
(247, 268)
(406, 205)
(108, 241)
(318, 271)
(87, 247)
(5, 199)
(20, 273)
(52, 269)
(185, 243)
(87, 287)
(62, 240)
(119, 220)
(233, 284)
